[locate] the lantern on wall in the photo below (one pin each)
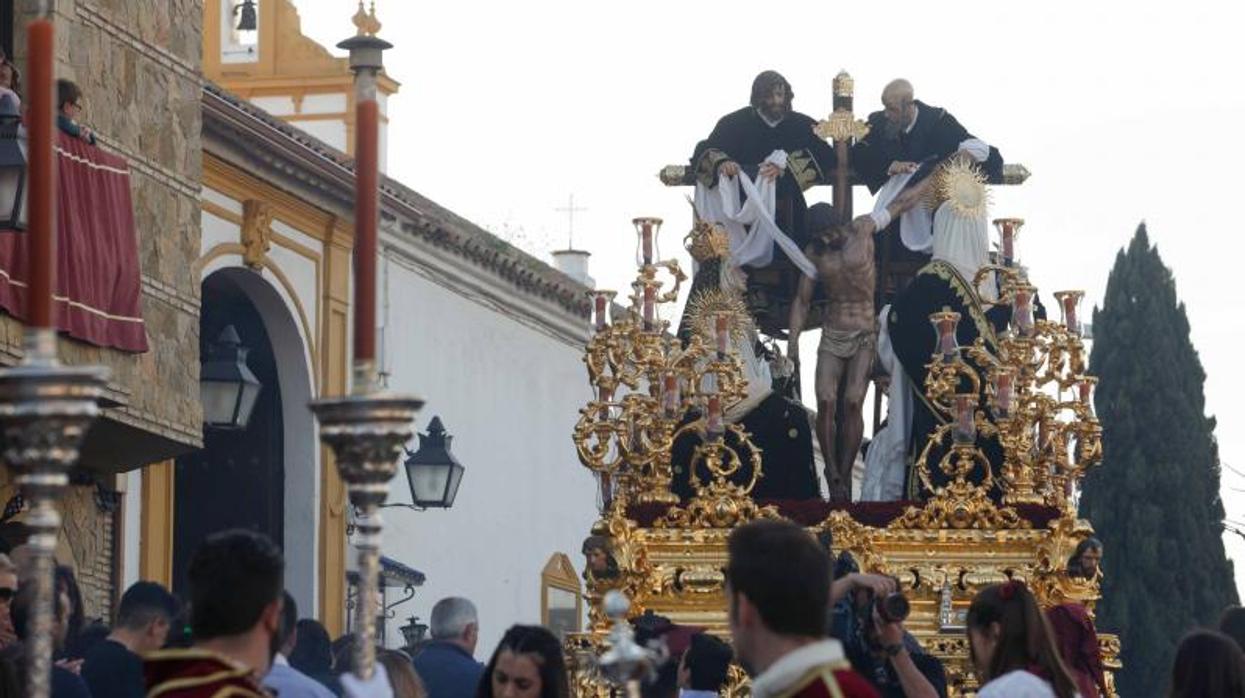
(432, 471)
(12, 166)
(227, 387)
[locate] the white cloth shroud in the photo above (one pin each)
(916, 225)
(750, 222)
(886, 459)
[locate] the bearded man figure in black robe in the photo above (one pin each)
(742, 140)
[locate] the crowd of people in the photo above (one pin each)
(69, 102)
(802, 624)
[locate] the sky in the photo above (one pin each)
(506, 109)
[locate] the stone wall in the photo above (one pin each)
(138, 65)
(87, 544)
(137, 62)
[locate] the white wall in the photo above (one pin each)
(509, 394)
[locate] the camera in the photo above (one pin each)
(892, 608)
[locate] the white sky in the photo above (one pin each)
(1123, 112)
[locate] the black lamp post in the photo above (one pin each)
(432, 471)
(247, 20)
(12, 167)
(227, 387)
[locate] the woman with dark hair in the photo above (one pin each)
(401, 673)
(527, 663)
(313, 654)
(67, 585)
(1208, 665)
(1012, 647)
(1085, 559)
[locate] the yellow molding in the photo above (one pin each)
(235, 248)
(240, 186)
(155, 542)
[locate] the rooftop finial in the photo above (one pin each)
(365, 21)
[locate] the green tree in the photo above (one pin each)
(1154, 501)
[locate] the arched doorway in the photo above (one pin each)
(264, 477)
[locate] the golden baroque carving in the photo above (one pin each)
(256, 235)
(841, 126)
(960, 505)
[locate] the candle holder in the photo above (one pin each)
(1009, 230)
(367, 433)
(1003, 392)
(45, 411)
(945, 324)
(1022, 310)
(646, 230)
(601, 301)
(1069, 309)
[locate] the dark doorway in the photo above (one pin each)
(237, 480)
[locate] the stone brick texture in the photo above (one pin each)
(138, 64)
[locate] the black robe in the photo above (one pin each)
(939, 286)
(935, 136)
(744, 137)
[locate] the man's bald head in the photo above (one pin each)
(898, 102)
(897, 90)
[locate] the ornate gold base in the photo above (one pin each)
(674, 569)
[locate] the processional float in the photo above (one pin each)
(979, 525)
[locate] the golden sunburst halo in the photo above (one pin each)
(963, 185)
(704, 307)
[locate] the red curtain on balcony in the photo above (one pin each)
(98, 281)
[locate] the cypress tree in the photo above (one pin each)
(1154, 501)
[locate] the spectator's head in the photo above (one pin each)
(8, 583)
(1208, 665)
(144, 616)
(1232, 624)
(287, 632)
(1007, 631)
(705, 664)
(527, 663)
(402, 676)
(777, 584)
(313, 652)
(344, 654)
(23, 607)
(1085, 559)
(10, 76)
(68, 593)
(454, 620)
(235, 580)
(68, 99)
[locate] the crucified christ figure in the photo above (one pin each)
(843, 255)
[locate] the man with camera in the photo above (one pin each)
(867, 617)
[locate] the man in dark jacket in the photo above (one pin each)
(446, 665)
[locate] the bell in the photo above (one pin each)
(247, 20)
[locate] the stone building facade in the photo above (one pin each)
(138, 65)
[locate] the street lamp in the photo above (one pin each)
(413, 632)
(227, 387)
(432, 471)
(12, 166)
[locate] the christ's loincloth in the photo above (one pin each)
(846, 343)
